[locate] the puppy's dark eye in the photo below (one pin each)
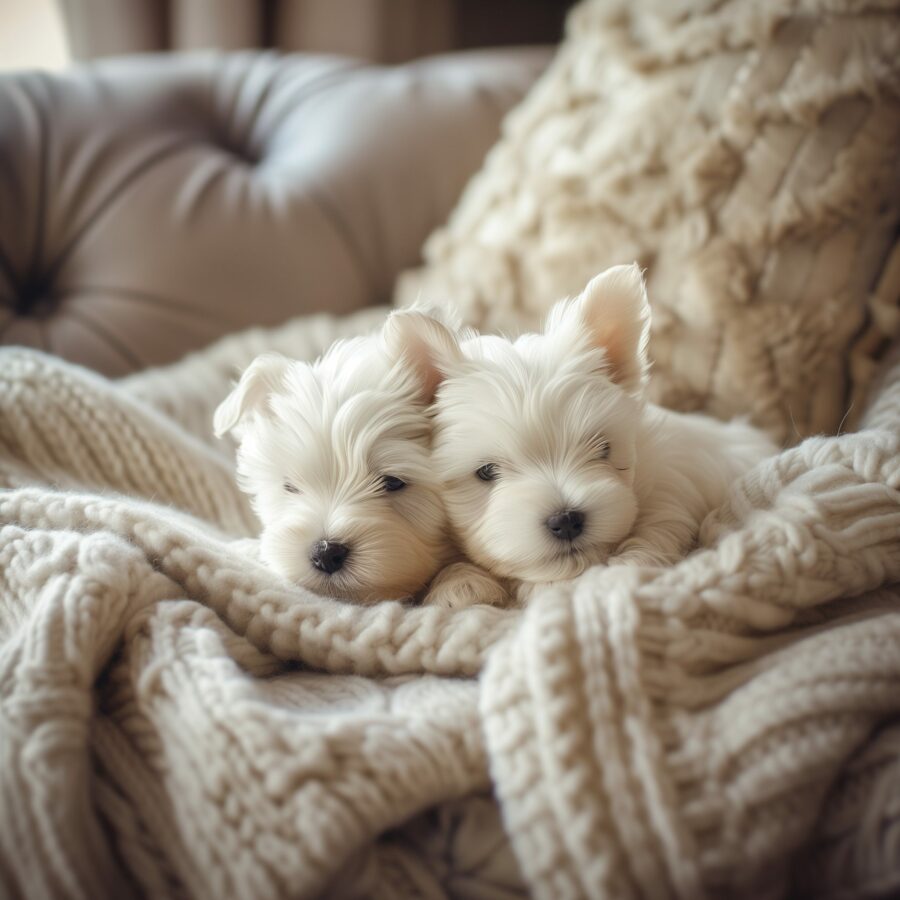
(392, 483)
(488, 472)
(600, 446)
(291, 488)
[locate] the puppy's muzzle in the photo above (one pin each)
(328, 556)
(566, 525)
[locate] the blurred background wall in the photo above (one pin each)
(47, 33)
(31, 35)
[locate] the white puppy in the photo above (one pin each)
(336, 455)
(550, 457)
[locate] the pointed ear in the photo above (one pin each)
(425, 344)
(614, 312)
(260, 378)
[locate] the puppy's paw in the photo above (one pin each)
(526, 591)
(644, 557)
(463, 584)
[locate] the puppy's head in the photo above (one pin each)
(336, 456)
(535, 440)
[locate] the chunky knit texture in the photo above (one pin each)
(177, 722)
(153, 739)
(745, 153)
(675, 733)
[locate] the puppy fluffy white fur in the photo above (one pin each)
(336, 456)
(550, 457)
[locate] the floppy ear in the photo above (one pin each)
(260, 378)
(424, 343)
(614, 312)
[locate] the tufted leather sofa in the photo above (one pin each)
(150, 204)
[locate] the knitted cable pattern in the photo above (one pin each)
(175, 721)
(676, 733)
(152, 739)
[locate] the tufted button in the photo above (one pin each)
(34, 298)
(242, 155)
(236, 149)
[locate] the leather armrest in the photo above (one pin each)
(150, 204)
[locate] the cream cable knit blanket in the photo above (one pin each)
(175, 721)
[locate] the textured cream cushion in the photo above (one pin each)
(747, 154)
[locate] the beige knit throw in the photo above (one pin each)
(177, 722)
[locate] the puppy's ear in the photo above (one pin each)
(423, 343)
(614, 312)
(260, 378)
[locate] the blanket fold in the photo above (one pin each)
(675, 733)
(177, 721)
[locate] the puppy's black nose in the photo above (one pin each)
(329, 556)
(566, 525)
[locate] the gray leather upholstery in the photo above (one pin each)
(150, 204)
